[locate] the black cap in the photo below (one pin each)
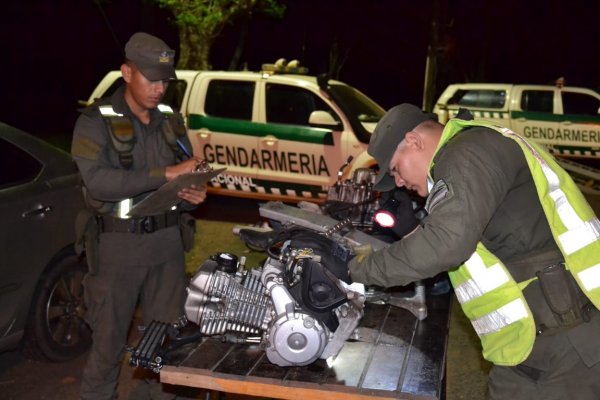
(388, 134)
(151, 56)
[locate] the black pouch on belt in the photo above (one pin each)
(187, 226)
(560, 292)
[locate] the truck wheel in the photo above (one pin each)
(56, 330)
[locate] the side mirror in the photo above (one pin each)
(323, 119)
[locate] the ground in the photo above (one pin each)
(22, 379)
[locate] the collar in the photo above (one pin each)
(117, 99)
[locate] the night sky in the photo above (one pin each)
(56, 51)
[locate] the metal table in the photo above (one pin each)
(396, 357)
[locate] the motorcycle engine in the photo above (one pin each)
(298, 305)
(353, 198)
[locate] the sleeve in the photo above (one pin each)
(471, 180)
(99, 166)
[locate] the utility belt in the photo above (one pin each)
(139, 226)
(569, 305)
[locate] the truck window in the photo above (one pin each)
(292, 105)
(537, 100)
(357, 104)
(580, 104)
(479, 98)
(230, 99)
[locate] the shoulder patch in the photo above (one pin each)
(437, 195)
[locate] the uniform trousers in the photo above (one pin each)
(149, 268)
(563, 366)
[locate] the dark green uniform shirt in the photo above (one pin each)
(487, 195)
(99, 164)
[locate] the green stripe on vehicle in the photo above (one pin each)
(280, 131)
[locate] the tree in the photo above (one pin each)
(200, 22)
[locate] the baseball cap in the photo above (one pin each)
(151, 56)
(389, 132)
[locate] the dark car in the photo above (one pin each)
(41, 295)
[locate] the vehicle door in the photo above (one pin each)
(38, 220)
(532, 113)
(297, 159)
(222, 130)
(579, 122)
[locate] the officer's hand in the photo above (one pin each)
(406, 221)
(362, 251)
(187, 166)
(194, 195)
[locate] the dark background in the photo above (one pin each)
(53, 53)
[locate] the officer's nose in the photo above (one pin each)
(399, 181)
(159, 86)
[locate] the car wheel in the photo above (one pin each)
(56, 330)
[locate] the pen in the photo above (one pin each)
(182, 147)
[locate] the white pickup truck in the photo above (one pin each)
(566, 119)
(282, 136)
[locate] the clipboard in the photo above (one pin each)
(163, 199)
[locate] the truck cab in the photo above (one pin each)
(565, 119)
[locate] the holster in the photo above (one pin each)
(187, 226)
(87, 238)
(563, 295)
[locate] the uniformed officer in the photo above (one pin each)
(520, 242)
(125, 148)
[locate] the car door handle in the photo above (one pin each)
(38, 210)
(269, 140)
(521, 119)
(567, 123)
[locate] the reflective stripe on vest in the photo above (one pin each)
(500, 318)
(495, 305)
(108, 111)
(484, 280)
(164, 108)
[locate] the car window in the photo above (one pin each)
(537, 100)
(17, 166)
(485, 98)
(173, 95)
(356, 103)
(580, 104)
(230, 99)
(293, 105)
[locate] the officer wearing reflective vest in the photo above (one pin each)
(518, 239)
(126, 147)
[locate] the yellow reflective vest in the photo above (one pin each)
(488, 294)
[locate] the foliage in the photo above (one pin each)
(201, 21)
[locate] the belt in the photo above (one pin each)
(139, 226)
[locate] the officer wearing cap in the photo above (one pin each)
(125, 149)
(519, 241)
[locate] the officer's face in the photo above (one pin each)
(409, 164)
(147, 94)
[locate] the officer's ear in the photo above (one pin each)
(414, 140)
(126, 71)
